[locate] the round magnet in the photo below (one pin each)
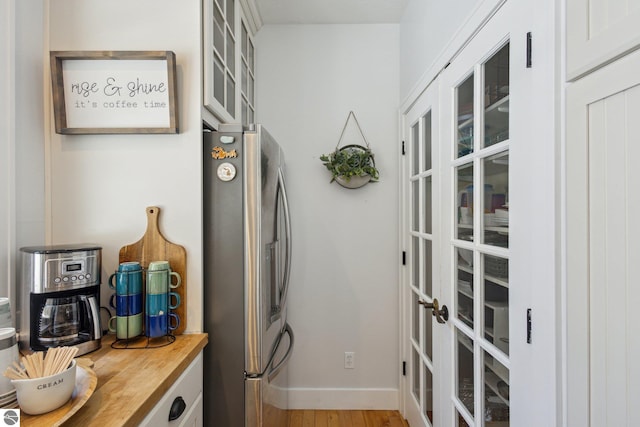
(226, 171)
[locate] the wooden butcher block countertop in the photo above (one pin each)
(132, 381)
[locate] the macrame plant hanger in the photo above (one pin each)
(351, 114)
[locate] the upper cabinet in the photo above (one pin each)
(598, 32)
(229, 59)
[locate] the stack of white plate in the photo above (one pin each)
(5, 313)
(8, 354)
(9, 400)
(501, 218)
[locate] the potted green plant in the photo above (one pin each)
(351, 166)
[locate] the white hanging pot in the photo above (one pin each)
(354, 181)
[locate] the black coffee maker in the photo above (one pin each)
(59, 300)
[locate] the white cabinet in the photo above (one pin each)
(598, 32)
(228, 61)
(602, 241)
(185, 395)
(601, 202)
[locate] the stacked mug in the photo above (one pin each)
(127, 300)
(159, 299)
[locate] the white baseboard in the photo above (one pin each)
(343, 398)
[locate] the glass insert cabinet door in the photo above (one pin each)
(220, 40)
(480, 245)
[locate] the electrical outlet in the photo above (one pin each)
(349, 360)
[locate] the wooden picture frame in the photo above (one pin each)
(121, 92)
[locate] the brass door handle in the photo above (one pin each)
(441, 314)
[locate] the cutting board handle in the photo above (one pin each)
(152, 219)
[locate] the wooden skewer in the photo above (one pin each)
(20, 369)
(14, 374)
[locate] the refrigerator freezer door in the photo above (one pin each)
(267, 397)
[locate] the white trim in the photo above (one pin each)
(561, 213)
(209, 119)
(469, 28)
(48, 125)
(252, 14)
(343, 398)
(402, 271)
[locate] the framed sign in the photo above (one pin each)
(100, 92)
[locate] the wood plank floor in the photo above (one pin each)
(352, 418)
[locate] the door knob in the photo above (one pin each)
(441, 314)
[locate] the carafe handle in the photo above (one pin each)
(94, 312)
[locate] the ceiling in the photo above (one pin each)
(330, 11)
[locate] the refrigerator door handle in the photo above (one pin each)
(273, 372)
(287, 224)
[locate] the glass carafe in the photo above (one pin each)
(59, 320)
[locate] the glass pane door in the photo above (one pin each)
(247, 87)
(480, 169)
(422, 365)
(220, 74)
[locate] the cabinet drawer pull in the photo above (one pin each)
(177, 408)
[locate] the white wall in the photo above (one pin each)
(426, 29)
(30, 129)
(344, 284)
(7, 143)
(100, 185)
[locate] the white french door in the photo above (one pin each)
(422, 234)
(473, 193)
(477, 140)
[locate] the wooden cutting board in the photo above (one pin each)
(154, 247)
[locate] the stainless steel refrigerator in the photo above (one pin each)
(247, 264)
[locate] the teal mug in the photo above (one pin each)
(161, 303)
(128, 279)
(159, 277)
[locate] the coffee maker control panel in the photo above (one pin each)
(72, 272)
(59, 268)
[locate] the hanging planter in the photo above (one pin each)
(351, 166)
